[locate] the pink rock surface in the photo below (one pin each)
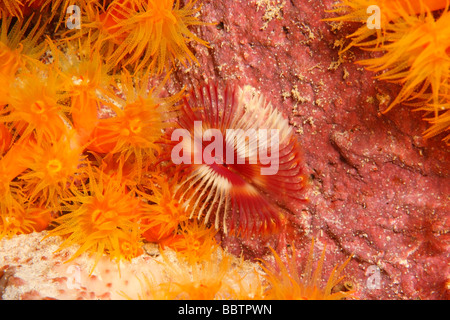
(377, 189)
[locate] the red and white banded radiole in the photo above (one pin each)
(238, 190)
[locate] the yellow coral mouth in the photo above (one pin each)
(54, 166)
(38, 107)
(135, 126)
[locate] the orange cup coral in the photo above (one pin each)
(102, 218)
(164, 214)
(286, 282)
(414, 47)
(147, 35)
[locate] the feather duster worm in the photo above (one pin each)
(240, 186)
(285, 282)
(147, 35)
(102, 218)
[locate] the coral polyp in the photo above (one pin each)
(214, 278)
(53, 168)
(416, 54)
(412, 39)
(286, 282)
(5, 138)
(22, 219)
(158, 32)
(164, 214)
(439, 118)
(194, 241)
(102, 218)
(229, 181)
(35, 107)
(389, 11)
(136, 130)
(17, 50)
(146, 35)
(10, 8)
(85, 78)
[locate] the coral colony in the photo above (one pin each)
(94, 153)
(415, 45)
